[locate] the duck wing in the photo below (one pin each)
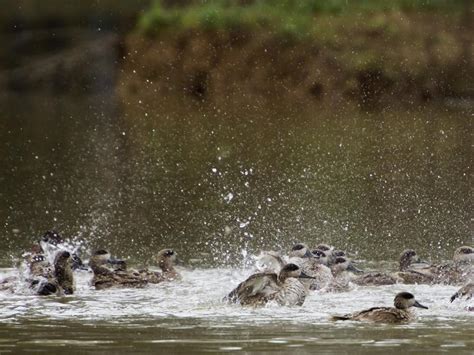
(269, 262)
(465, 291)
(122, 279)
(414, 277)
(291, 293)
(375, 279)
(257, 289)
(153, 277)
(382, 315)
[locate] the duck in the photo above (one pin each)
(41, 276)
(327, 250)
(456, 272)
(52, 243)
(119, 277)
(63, 274)
(285, 288)
(406, 274)
(46, 279)
(412, 269)
(398, 314)
(166, 259)
(342, 270)
(312, 265)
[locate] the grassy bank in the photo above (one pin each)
(367, 51)
(289, 17)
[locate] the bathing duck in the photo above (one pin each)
(41, 276)
(63, 272)
(107, 277)
(456, 272)
(311, 264)
(393, 315)
(407, 273)
(51, 243)
(343, 270)
(285, 288)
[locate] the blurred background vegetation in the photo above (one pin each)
(361, 50)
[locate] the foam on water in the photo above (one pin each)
(199, 295)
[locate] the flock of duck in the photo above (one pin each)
(284, 280)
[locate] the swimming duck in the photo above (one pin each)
(393, 315)
(312, 265)
(342, 270)
(465, 291)
(407, 273)
(456, 272)
(285, 288)
(166, 259)
(106, 277)
(327, 250)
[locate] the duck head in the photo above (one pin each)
(321, 256)
(343, 264)
(166, 259)
(63, 260)
(407, 258)
(325, 247)
(464, 254)
(101, 257)
(405, 300)
(300, 250)
(292, 270)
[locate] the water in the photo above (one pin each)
(218, 184)
(210, 182)
(189, 316)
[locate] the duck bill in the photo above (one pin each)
(353, 269)
(305, 276)
(114, 261)
(419, 305)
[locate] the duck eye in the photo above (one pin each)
(169, 253)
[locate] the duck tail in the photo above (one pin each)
(336, 318)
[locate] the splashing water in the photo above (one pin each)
(191, 312)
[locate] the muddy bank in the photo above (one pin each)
(373, 61)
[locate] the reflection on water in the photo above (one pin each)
(188, 316)
(226, 181)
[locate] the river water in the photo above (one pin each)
(188, 316)
(218, 184)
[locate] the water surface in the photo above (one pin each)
(218, 182)
(188, 316)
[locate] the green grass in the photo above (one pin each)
(294, 17)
